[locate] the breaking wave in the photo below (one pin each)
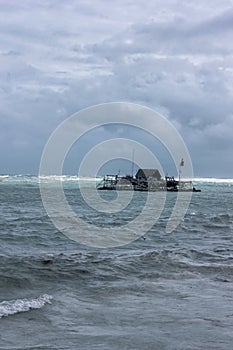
(12, 307)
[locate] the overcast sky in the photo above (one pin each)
(173, 56)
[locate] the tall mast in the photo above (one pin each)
(133, 163)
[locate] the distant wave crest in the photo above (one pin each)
(34, 180)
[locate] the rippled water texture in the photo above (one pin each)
(163, 291)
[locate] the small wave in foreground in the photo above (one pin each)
(12, 307)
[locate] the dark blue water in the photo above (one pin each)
(167, 291)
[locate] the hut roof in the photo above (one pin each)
(146, 173)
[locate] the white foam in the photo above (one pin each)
(64, 178)
(212, 180)
(12, 307)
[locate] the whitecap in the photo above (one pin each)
(12, 307)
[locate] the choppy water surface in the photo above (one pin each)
(167, 291)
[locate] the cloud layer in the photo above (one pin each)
(174, 56)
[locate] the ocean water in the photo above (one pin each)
(162, 291)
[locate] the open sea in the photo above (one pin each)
(163, 291)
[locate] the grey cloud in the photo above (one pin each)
(58, 57)
(181, 35)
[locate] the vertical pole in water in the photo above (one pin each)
(179, 175)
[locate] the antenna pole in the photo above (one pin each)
(133, 162)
